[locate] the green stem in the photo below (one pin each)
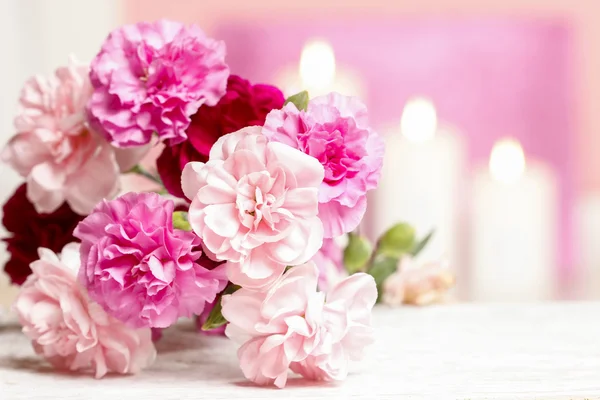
(142, 172)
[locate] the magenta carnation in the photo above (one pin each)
(140, 269)
(151, 77)
(334, 129)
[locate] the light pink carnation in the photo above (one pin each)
(254, 204)
(418, 284)
(151, 77)
(334, 129)
(55, 150)
(71, 332)
(140, 269)
(293, 326)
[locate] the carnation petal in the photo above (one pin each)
(290, 295)
(222, 219)
(43, 200)
(47, 176)
(242, 163)
(191, 182)
(338, 219)
(347, 106)
(300, 245)
(358, 293)
(243, 310)
(219, 188)
(98, 179)
(227, 144)
(254, 273)
(302, 201)
(306, 169)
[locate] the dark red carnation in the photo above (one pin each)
(243, 105)
(30, 230)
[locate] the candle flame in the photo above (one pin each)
(507, 161)
(419, 120)
(317, 66)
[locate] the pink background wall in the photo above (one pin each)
(491, 77)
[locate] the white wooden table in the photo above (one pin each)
(463, 351)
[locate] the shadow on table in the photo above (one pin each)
(26, 363)
(10, 327)
(40, 366)
(184, 337)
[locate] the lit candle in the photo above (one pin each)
(421, 182)
(318, 73)
(513, 228)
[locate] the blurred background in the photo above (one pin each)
(489, 110)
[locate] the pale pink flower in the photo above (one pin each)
(149, 78)
(418, 284)
(141, 270)
(329, 260)
(334, 129)
(62, 159)
(254, 204)
(293, 326)
(69, 330)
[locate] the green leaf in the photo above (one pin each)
(396, 241)
(380, 270)
(357, 253)
(215, 318)
(180, 221)
(300, 100)
(421, 244)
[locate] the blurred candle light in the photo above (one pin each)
(318, 73)
(513, 227)
(317, 66)
(419, 120)
(421, 181)
(507, 161)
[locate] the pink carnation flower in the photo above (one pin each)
(151, 77)
(334, 129)
(418, 284)
(71, 332)
(140, 269)
(293, 326)
(55, 150)
(254, 204)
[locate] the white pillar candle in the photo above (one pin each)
(588, 232)
(319, 74)
(513, 228)
(421, 182)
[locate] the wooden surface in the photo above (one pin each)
(463, 351)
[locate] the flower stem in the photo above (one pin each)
(139, 170)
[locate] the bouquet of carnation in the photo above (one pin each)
(252, 192)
